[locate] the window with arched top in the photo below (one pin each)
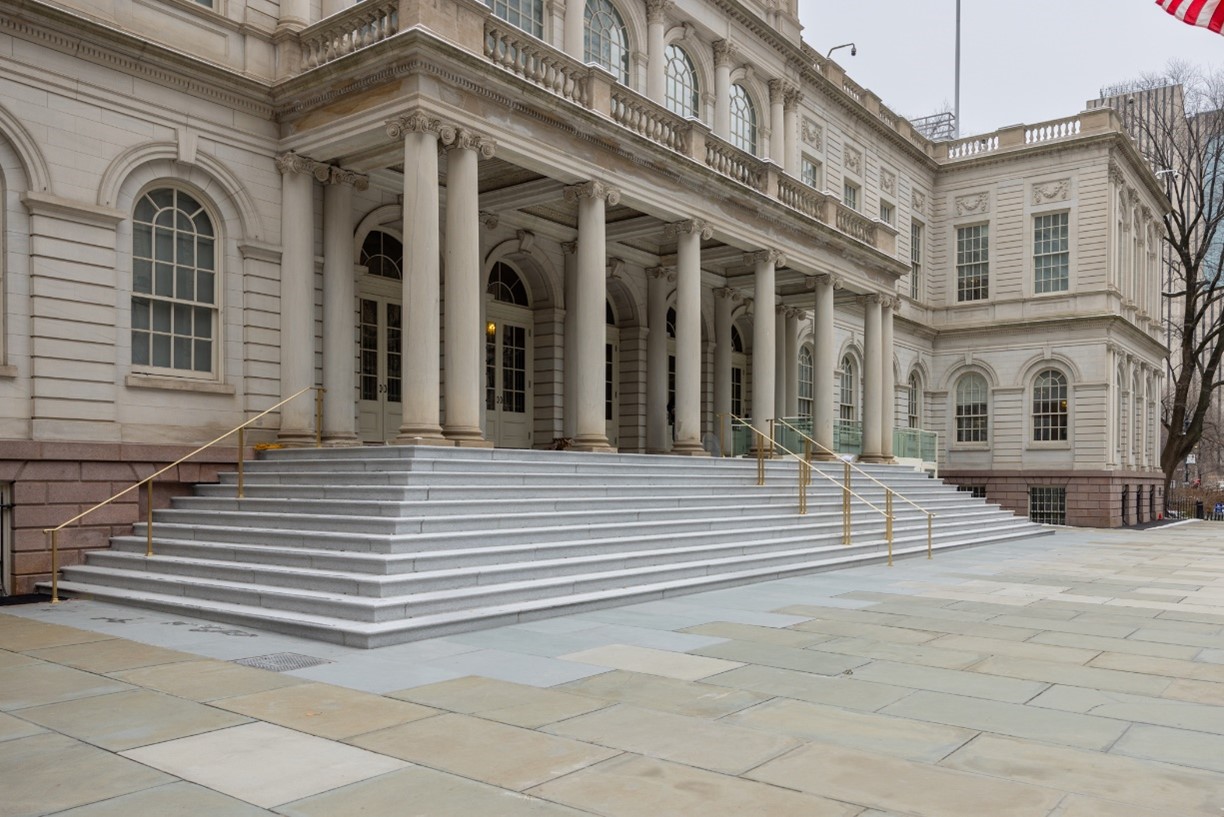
(1050, 406)
(506, 286)
(738, 406)
(671, 322)
(972, 409)
(806, 369)
(606, 40)
(913, 402)
(525, 14)
(383, 255)
(743, 120)
(848, 405)
(737, 341)
(174, 283)
(682, 93)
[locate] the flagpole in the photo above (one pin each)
(958, 49)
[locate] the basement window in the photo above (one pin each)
(1048, 505)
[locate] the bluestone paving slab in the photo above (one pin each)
(110, 655)
(1015, 649)
(777, 636)
(20, 634)
(665, 694)
(1076, 806)
(1199, 692)
(771, 655)
(900, 737)
(502, 701)
(1180, 747)
(46, 773)
(955, 682)
(1174, 636)
(1148, 785)
(1069, 728)
(634, 786)
(520, 668)
(1168, 667)
(1134, 708)
(264, 764)
(178, 799)
(1124, 645)
(877, 632)
(1055, 672)
(420, 792)
(714, 745)
(495, 753)
(849, 693)
(653, 662)
(921, 654)
(325, 710)
(37, 684)
(375, 674)
(882, 782)
(129, 719)
(1075, 625)
(12, 728)
(207, 680)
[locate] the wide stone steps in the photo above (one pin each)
(375, 546)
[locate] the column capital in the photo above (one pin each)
(656, 10)
(489, 219)
(781, 310)
(465, 139)
(777, 91)
(687, 227)
(725, 52)
(569, 247)
(293, 163)
(827, 279)
(420, 122)
(593, 190)
(664, 273)
(359, 181)
(793, 96)
(729, 294)
(774, 257)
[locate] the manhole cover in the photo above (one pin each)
(281, 661)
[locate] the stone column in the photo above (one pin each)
(331, 7)
(656, 359)
(724, 303)
(873, 380)
(339, 297)
(793, 97)
(591, 297)
(656, 65)
(780, 361)
(724, 54)
(763, 341)
(569, 350)
(824, 362)
(463, 337)
(777, 122)
(294, 14)
(575, 29)
(421, 290)
(297, 294)
(792, 362)
(888, 385)
(689, 235)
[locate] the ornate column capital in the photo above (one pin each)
(656, 10)
(569, 247)
(687, 227)
(465, 139)
(420, 122)
(291, 163)
(725, 52)
(489, 220)
(339, 175)
(729, 294)
(774, 257)
(777, 91)
(793, 96)
(781, 310)
(662, 273)
(591, 190)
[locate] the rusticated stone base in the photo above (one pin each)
(1094, 498)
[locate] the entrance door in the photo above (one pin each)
(379, 372)
(611, 385)
(508, 362)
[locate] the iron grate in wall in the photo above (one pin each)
(281, 661)
(1047, 505)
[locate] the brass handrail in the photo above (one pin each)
(889, 491)
(53, 533)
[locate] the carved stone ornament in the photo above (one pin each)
(793, 96)
(781, 310)
(888, 181)
(852, 158)
(724, 52)
(291, 162)
(656, 10)
(1115, 173)
(662, 273)
(470, 140)
(733, 295)
(1059, 190)
(616, 267)
(827, 279)
(777, 91)
(489, 220)
(918, 200)
(592, 190)
(420, 122)
(765, 257)
(569, 247)
(359, 181)
(813, 133)
(973, 205)
(687, 227)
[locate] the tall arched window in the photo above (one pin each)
(174, 283)
(682, 94)
(607, 42)
(1050, 406)
(525, 14)
(743, 120)
(1122, 404)
(383, 255)
(506, 286)
(913, 402)
(972, 409)
(848, 407)
(805, 381)
(737, 373)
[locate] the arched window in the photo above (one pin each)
(174, 283)
(805, 381)
(506, 286)
(607, 42)
(383, 255)
(738, 407)
(743, 120)
(913, 402)
(737, 341)
(525, 14)
(848, 407)
(682, 93)
(1050, 406)
(972, 411)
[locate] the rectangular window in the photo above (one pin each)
(1051, 257)
(972, 262)
(737, 391)
(850, 195)
(812, 173)
(975, 491)
(915, 259)
(886, 212)
(1048, 505)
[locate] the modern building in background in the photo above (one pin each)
(603, 226)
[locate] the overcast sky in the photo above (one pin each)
(1022, 61)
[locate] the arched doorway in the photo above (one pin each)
(508, 360)
(612, 377)
(380, 338)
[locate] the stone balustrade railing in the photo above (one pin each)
(855, 225)
(804, 198)
(1098, 120)
(341, 34)
(976, 146)
(1050, 131)
(650, 119)
(734, 163)
(524, 55)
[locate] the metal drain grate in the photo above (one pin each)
(281, 661)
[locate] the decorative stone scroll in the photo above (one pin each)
(339, 175)
(666, 273)
(420, 122)
(289, 163)
(764, 257)
(489, 219)
(733, 295)
(974, 204)
(1059, 190)
(793, 96)
(592, 190)
(687, 227)
(656, 10)
(465, 139)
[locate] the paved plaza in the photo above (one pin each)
(1077, 675)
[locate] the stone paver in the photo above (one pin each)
(325, 710)
(503, 701)
(653, 662)
(666, 694)
(41, 683)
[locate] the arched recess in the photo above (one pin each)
(535, 268)
(33, 165)
(981, 367)
(388, 218)
(212, 178)
(701, 55)
(1029, 369)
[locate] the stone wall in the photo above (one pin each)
(1094, 498)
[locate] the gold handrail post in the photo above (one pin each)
(149, 520)
(54, 534)
(319, 392)
(845, 503)
(241, 448)
(930, 516)
(888, 515)
(760, 446)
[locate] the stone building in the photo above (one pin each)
(609, 225)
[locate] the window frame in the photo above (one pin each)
(616, 64)
(745, 122)
(670, 81)
(851, 194)
(888, 212)
(972, 254)
(917, 245)
(1050, 408)
(1039, 259)
(806, 384)
(971, 429)
(847, 374)
(815, 179)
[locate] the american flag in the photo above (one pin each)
(1206, 13)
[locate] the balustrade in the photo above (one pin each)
(524, 55)
(804, 198)
(648, 119)
(355, 29)
(855, 225)
(736, 164)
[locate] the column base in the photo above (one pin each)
(875, 458)
(421, 436)
(821, 456)
(296, 439)
(466, 437)
(689, 448)
(340, 440)
(593, 442)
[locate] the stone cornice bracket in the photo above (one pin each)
(724, 52)
(526, 240)
(616, 266)
(339, 175)
(465, 139)
(665, 273)
(688, 226)
(420, 122)
(591, 190)
(489, 219)
(774, 257)
(656, 10)
(729, 293)
(291, 162)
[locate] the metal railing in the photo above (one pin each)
(889, 492)
(53, 533)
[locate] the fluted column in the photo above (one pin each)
(764, 344)
(657, 281)
(724, 55)
(888, 386)
(724, 304)
(689, 235)
(592, 292)
(298, 175)
(777, 121)
(569, 344)
(421, 287)
(780, 361)
(575, 28)
(790, 122)
(462, 335)
(656, 66)
(339, 294)
(824, 362)
(873, 380)
(792, 362)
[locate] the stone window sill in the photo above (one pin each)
(152, 381)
